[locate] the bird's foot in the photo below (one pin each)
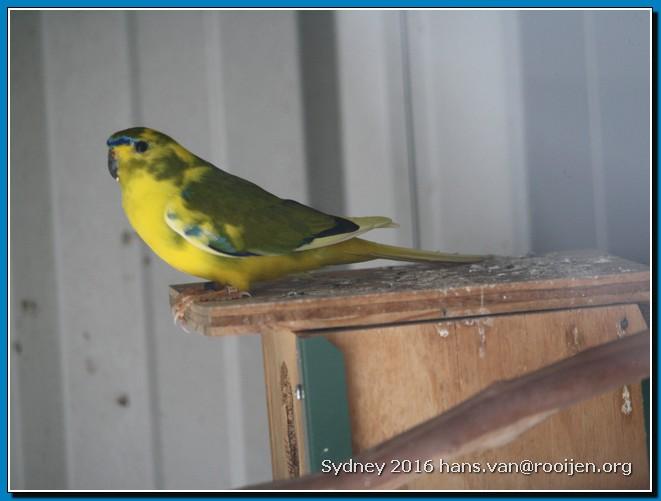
(213, 293)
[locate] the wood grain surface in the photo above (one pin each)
(401, 376)
(491, 425)
(398, 294)
(286, 428)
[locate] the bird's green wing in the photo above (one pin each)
(227, 215)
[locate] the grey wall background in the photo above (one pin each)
(478, 131)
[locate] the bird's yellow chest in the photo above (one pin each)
(145, 200)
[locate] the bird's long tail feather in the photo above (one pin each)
(382, 251)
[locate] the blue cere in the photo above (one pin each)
(119, 140)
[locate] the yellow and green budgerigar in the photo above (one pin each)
(206, 222)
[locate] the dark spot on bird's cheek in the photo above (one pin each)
(140, 163)
(132, 165)
(167, 166)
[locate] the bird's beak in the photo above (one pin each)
(112, 164)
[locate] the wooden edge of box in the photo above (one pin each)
(402, 306)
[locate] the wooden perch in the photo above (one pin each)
(496, 415)
(411, 293)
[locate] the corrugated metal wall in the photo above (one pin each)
(496, 131)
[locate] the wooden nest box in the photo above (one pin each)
(354, 358)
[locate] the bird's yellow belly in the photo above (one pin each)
(144, 200)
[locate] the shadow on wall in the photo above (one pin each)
(587, 130)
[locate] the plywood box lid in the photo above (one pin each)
(423, 292)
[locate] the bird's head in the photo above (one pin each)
(143, 149)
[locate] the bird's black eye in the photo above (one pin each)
(140, 146)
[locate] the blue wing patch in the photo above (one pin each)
(222, 244)
(202, 238)
(192, 231)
